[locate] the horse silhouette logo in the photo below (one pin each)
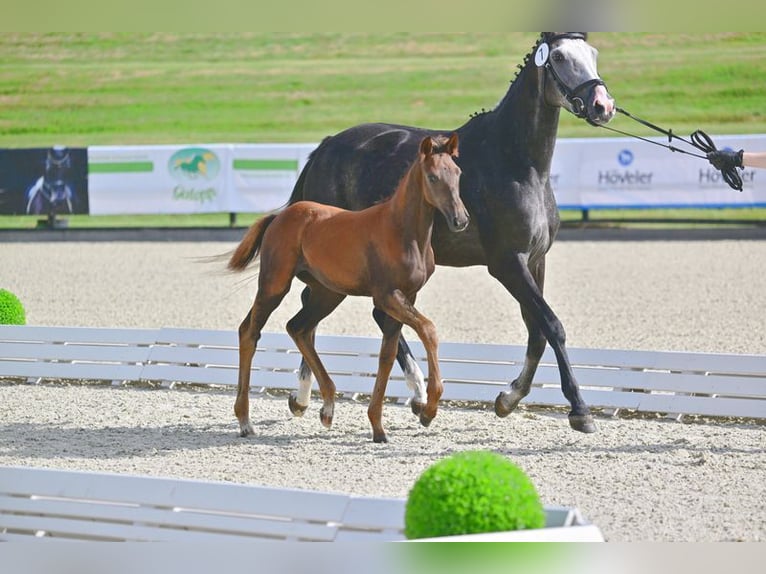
(194, 164)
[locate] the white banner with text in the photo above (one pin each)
(592, 173)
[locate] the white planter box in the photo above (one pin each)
(562, 524)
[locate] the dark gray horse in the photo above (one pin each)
(505, 155)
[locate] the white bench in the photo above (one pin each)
(673, 383)
(46, 504)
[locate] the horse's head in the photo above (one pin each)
(571, 76)
(441, 176)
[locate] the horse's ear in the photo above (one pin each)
(452, 145)
(426, 146)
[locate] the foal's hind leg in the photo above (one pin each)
(249, 333)
(320, 303)
(391, 330)
(298, 401)
(413, 376)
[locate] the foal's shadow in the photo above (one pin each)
(39, 441)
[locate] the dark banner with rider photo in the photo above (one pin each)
(44, 181)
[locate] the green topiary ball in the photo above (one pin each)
(469, 493)
(11, 309)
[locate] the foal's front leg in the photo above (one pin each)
(400, 308)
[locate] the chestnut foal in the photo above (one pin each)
(383, 252)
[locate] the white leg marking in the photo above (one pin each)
(304, 389)
(415, 380)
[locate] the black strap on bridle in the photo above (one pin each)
(572, 95)
(698, 140)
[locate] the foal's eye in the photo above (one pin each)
(432, 178)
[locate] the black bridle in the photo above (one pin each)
(573, 95)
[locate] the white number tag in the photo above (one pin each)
(541, 56)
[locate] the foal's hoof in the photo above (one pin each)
(582, 423)
(417, 407)
(506, 403)
(379, 438)
(246, 430)
(326, 419)
(295, 408)
(425, 420)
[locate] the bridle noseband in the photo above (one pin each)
(572, 95)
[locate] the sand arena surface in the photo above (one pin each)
(637, 478)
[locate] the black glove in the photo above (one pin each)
(725, 159)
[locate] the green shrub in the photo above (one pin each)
(470, 493)
(11, 309)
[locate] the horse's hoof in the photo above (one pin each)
(326, 419)
(425, 420)
(379, 438)
(582, 423)
(505, 404)
(295, 408)
(417, 407)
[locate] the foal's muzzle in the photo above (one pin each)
(458, 223)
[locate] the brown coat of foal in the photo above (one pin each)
(383, 252)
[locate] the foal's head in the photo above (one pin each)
(441, 177)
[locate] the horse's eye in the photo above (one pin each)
(557, 57)
(432, 178)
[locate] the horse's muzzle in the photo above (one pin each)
(600, 109)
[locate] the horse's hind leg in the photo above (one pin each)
(413, 376)
(302, 327)
(512, 271)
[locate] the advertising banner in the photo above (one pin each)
(263, 175)
(158, 179)
(628, 173)
(43, 181)
(588, 173)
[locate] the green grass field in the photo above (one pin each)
(88, 89)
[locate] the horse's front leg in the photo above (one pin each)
(507, 401)
(402, 309)
(388, 349)
(413, 376)
(513, 272)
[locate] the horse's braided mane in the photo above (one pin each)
(519, 68)
(544, 36)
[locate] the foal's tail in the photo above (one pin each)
(248, 248)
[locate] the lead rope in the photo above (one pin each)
(699, 140)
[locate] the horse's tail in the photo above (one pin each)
(250, 245)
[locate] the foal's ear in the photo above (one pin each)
(427, 146)
(452, 145)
